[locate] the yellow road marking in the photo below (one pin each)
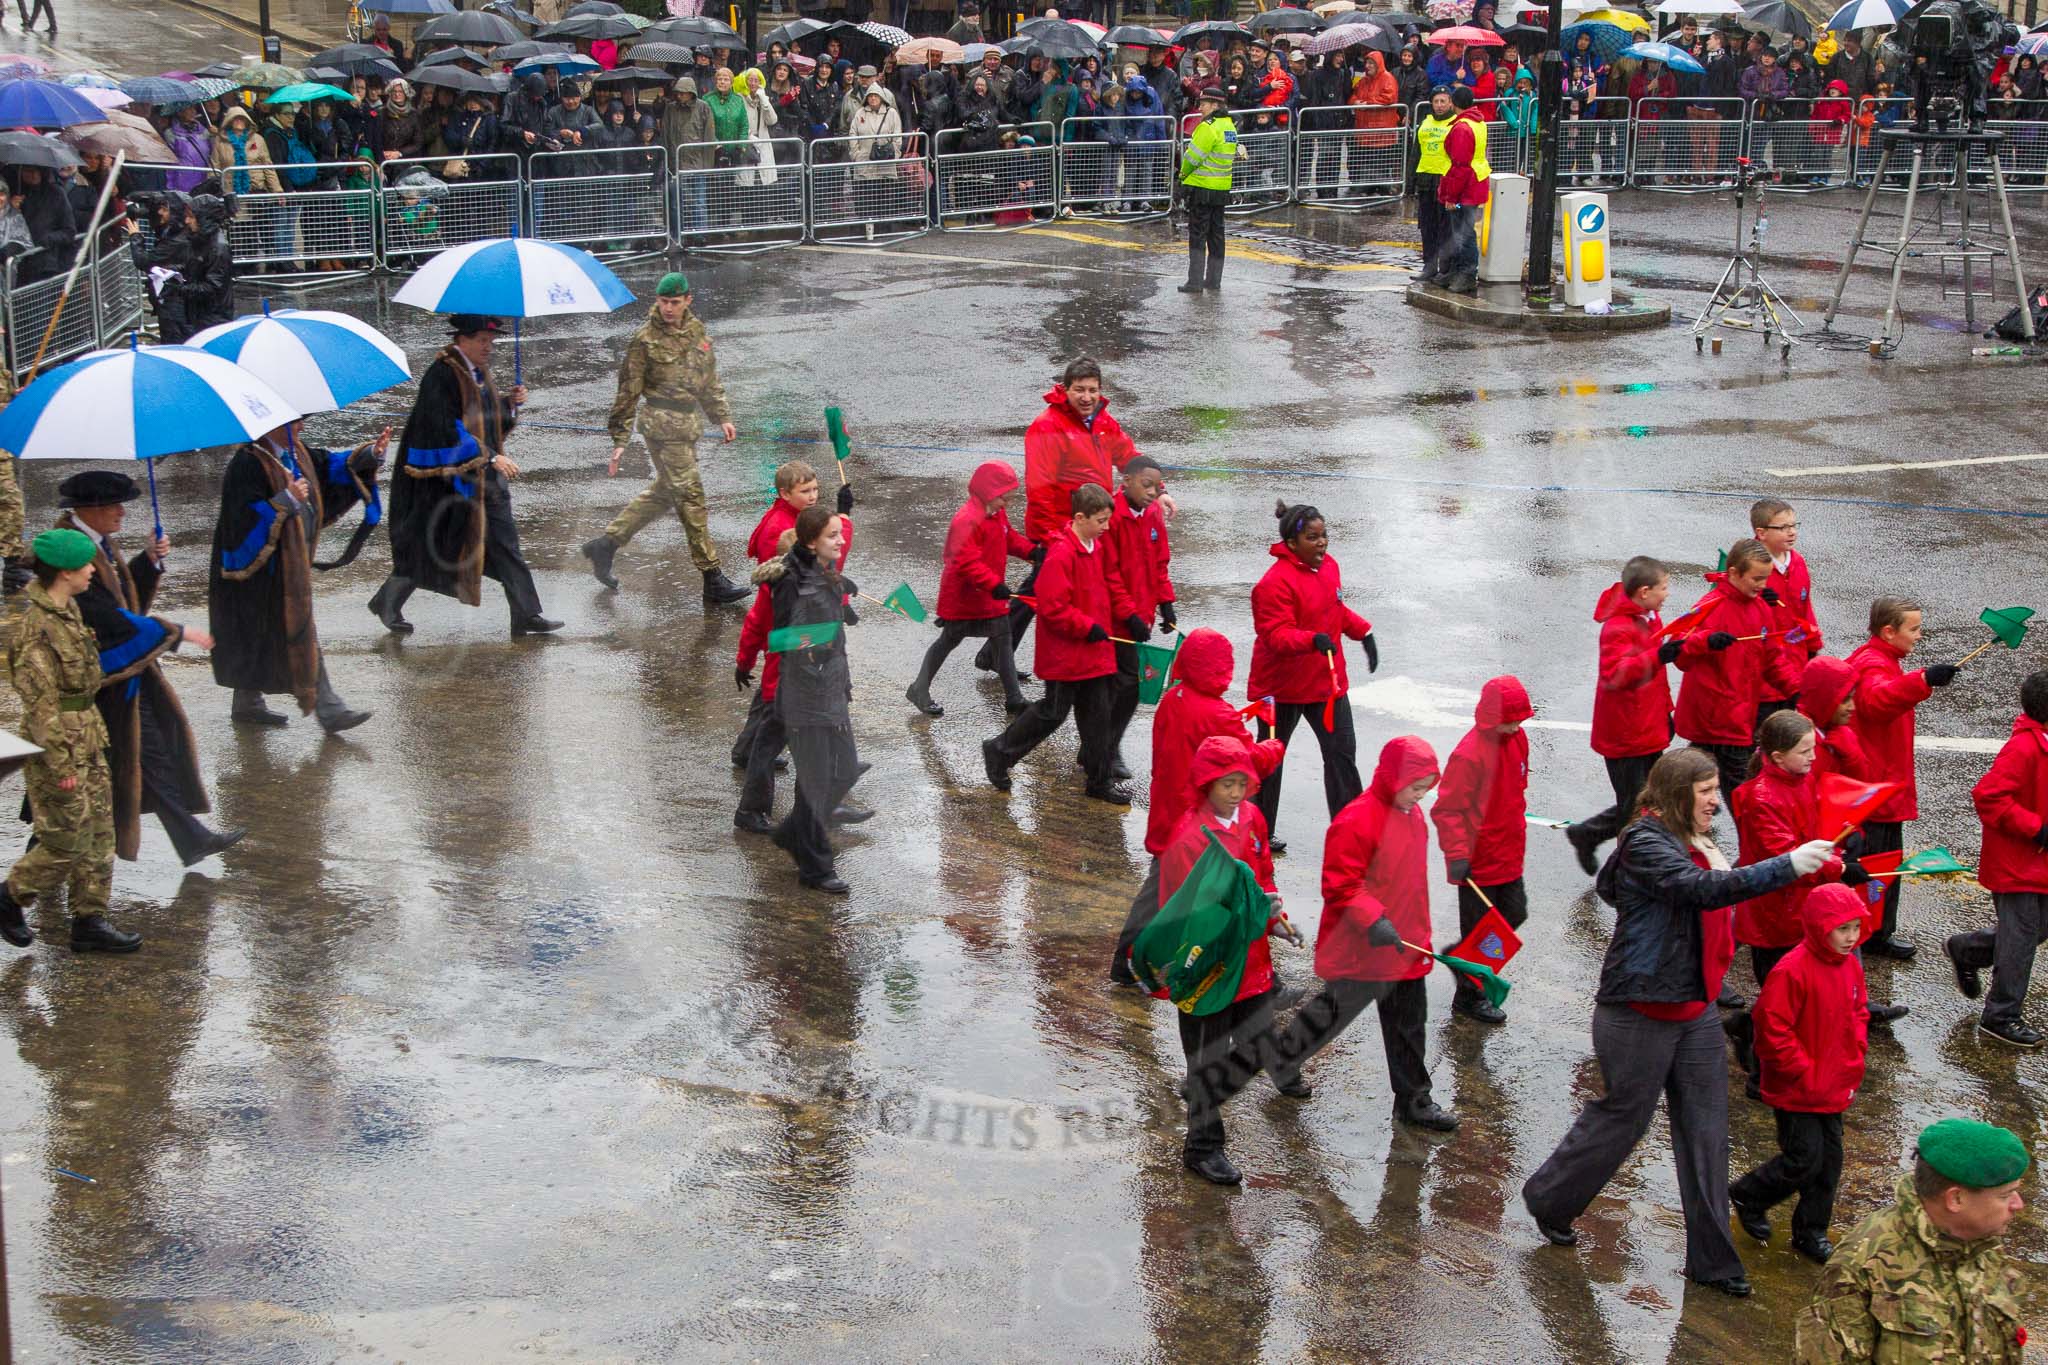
(1236, 253)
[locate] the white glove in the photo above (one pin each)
(1809, 858)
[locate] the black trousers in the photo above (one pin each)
(42, 10)
(1808, 1164)
(996, 630)
(1020, 615)
(1089, 701)
(758, 707)
(1626, 775)
(824, 759)
(1123, 695)
(1205, 234)
(502, 559)
(2008, 951)
(1733, 762)
(1510, 898)
(1404, 1011)
(1219, 1047)
(163, 786)
(1886, 836)
(1144, 906)
(769, 738)
(1766, 709)
(1341, 784)
(1429, 220)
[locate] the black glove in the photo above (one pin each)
(1096, 635)
(1135, 624)
(1322, 644)
(1667, 653)
(1941, 675)
(1852, 847)
(1168, 620)
(1770, 595)
(1720, 639)
(1001, 592)
(1853, 873)
(845, 499)
(744, 677)
(2041, 836)
(1383, 934)
(1459, 869)
(851, 617)
(1372, 653)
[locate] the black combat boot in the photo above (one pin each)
(13, 923)
(719, 590)
(599, 552)
(92, 934)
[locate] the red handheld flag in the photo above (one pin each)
(1261, 710)
(1684, 622)
(1846, 802)
(1330, 705)
(1878, 865)
(1491, 943)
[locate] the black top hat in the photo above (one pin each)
(97, 488)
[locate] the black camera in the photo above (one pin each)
(1952, 45)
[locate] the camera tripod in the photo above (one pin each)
(1752, 305)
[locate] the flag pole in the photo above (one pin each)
(1483, 899)
(1975, 652)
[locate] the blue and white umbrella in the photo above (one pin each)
(318, 361)
(2034, 44)
(567, 63)
(514, 277)
(1676, 58)
(1607, 40)
(1868, 14)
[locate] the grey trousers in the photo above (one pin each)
(1641, 1060)
(2008, 951)
(327, 703)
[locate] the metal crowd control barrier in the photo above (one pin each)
(424, 213)
(2023, 156)
(1682, 153)
(1129, 179)
(1806, 155)
(1592, 150)
(300, 228)
(886, 198)
(999, 190)
(1352, 165)
(105, 304)
(613, 198)
(117, 293)
(1264, 172)
(742, 209)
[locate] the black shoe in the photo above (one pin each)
(1895, 946)
(1814, 1248)
(752, 822)
(992, 764)
(849, 815)
(1214, 1167)
(1120, 973)
(262, 716)
(719, 590)
(1734, 1286)
(1294, 1087)
(1480, 1008)
(1969, 980)
(829, 884)
(393, 620)
(1731, 999)
(1214, 284)
(1884, 1014)
(1276, 847)
(92, 934)
(535, 625)
(1427, 1114)
(1117, 769)
(1755, 1221)
(13, 922)
(1423, 277)
(1464, 283)
(1286, 997)
(922, 700)
(1557, 1234)
(1193, 288)
(1016, 708)
(217, 841)
(2013, 1034)
(739, 765)
(1752, 1089)
(1110, 793)
(346, 720)
(1586, 847)
(599, 552)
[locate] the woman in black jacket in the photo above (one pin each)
(813, 691)
(1656, 1032)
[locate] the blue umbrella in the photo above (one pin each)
(1608, 40)
(44, 104)
(318, 361)
(1868, 14)
(515, 277)
(568, 63)
(1676, 58)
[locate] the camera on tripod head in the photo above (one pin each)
(1952, 45)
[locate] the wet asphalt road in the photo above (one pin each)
(494, 1040)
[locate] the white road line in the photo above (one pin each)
(1881, 466)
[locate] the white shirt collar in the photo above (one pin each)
(1229, 822)
(1783, 565)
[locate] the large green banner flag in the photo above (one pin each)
(1155, 667)
(1195, 947)
(809, 636)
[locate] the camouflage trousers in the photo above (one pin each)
(12, 514)
(677, 486)
(74, 844)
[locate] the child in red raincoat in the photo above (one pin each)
(1729, 662)
(973, 599)
(1480, 821)
(1811, 1038)
(1886, 696)
(1827, 697)
(1631, 700)
(2012, 803)
(1191, 713)
(1224, 1050)
(1299, 619)
(1139, 553)
(1776, 811)
(1795, 630)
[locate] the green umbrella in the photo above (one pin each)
(264, 76)
(307, 91)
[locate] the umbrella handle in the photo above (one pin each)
(155, 512)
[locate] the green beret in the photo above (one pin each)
(1979, 1155)
(64, 548)
(673, 285)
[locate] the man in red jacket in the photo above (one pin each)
(1631, 700)
(1078, 598)
(1480, 824)
(1886, 696)
(2012, 801)
(1795, 630)
(1138, 554)
(1462, 191)
(1811, 1036)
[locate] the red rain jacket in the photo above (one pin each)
(1885, 697)
(1775, 813)
(1484, 796)
(2011, 800)
(1822, 688)
(760, 618)
(1812, 1018)
(977, 544)
(1290, 605)
(1459, 187)
(1076, 590)
(1717, 701)
(1245, 839)
(1191, 712)
(1375, 866)
(1794, 611)
(1061, 454)
(1632, 702)
(1139, 555)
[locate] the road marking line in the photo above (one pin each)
(1236, 251)
(1901, 464)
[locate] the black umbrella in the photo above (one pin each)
(33, 149)
(470, 26)
(1136, 35)
(333, 75)
(220, 70)
(357, 59)
(455, 78)
(1779, 16)
(1059, 40)
(591, 26)
(693, 31)
(788, 34)
(594, 7)
(854, 45)
(450, 55)
(1526, 37)
(662, 54)
(1403, 19)
(527, 47)
(506, 8)
(1284, 21)
(630, 75)
(1220, 29)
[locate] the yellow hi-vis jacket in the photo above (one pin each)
(1429, 139)
(1205, 161)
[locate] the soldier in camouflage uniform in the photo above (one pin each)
(669, 363)
(54, 662)
(1926, 1280)
(13, 518)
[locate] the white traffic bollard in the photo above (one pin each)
(1588, 271)
(1504, 230)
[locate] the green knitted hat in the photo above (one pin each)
(63, 548)
(1979, 1155)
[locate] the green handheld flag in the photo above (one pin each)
(835, 427)
(904, 602)
(1194, 949)
(2009, 624)
(1721, 562)
(1935, 862)
(1489, 981)
(1155, 666)
(810, 636)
